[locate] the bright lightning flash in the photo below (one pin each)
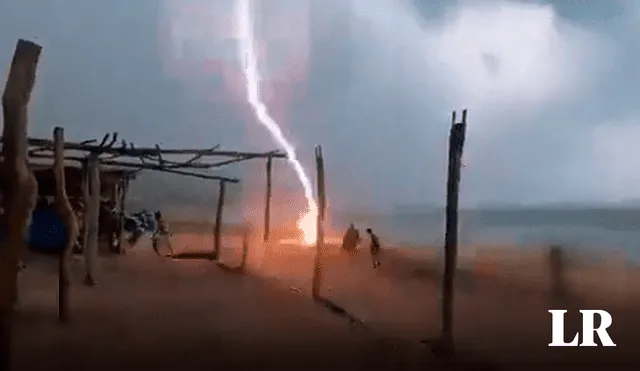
(247, 55)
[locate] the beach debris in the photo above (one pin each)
(295, 289)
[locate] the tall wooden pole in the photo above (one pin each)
(92, 215)
(86, 201)
(20, 193)
(456, 144)
(64, 209)
(267, 205)
(321, 204)
(218, 226)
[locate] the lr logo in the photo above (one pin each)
(588, 329)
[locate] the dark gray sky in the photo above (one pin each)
(551, 88)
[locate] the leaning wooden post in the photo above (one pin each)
(321, 206)
(63, 206)
(19, 195)
(267, 205)
(92, 214)
(218, 226)
(456, 144)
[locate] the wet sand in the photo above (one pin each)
(148, 311)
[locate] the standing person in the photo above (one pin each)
(375, 248)
(162, 231)
(351, 239)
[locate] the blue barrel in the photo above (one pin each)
(47, 233)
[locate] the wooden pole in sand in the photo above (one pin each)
(218, 226)
(115, 227)
(245, 249)
(92, 215)
(64, 209)
(124, 187)
(19, 195)
(267, 205)
(456, 144)
(321, 203)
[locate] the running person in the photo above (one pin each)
(375, 248)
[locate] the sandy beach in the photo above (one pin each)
(148, 311)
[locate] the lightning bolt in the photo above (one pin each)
(247, 56)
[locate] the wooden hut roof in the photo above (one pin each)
(43, 171)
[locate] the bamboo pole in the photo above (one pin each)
(19, 196)
(267, 205)
(92, 210)
(218, 223)
(321, 206)
(456, 143)
(63, 206)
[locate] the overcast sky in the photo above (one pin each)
(551, 88)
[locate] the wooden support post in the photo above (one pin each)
(114, 222)
(218, 226)
(245, 249)
(456, 143)
(123, 200)
(20, 193)
(556, 270)
(86, 200)
(68, 216)
(321, 206)
(92, 214)
(267, 205)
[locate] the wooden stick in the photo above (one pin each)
(456, 144)
(321, 205)
(19, 196)
(150, 151)
(92, 211)
(267, 205)
(153, 167)
(63, 206)
(218, 226)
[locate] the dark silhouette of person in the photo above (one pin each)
(375, 248)
(161, 232)
(351, 239)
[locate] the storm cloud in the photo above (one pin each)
(550, 88)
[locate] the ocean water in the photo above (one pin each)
(601, 230)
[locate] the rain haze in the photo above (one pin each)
(548, 217)
(549, 86)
